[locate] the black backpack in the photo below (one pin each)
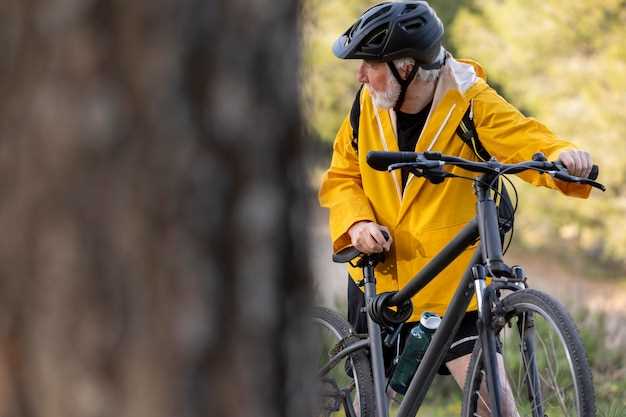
(468, 134)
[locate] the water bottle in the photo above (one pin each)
(414, 348)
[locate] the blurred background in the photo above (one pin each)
(151, 259)
(159, 165)
(561, 62)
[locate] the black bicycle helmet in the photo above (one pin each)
(393, 30)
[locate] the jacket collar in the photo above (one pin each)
(459, 82)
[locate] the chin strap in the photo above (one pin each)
(404, 84)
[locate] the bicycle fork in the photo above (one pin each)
(491, 244)
(526, 329)
(484, 296)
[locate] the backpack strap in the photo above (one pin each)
(355, 115)
(468, 134)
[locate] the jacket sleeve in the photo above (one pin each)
(341, 189)
(511, 137)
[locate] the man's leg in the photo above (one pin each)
(458, 369)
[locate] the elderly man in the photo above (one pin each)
(414, 96)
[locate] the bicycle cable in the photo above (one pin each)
(512, 209)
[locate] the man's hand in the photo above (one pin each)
(368, 237)
(577, 162)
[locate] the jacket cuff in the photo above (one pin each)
(341, 224)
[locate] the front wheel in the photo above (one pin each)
(546, 373)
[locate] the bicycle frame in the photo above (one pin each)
(484, 226)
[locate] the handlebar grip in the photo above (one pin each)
(593, 175)
(380, 161)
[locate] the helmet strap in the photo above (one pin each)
(404, 83)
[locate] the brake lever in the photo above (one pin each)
(578, 180)
(422, 164)
(400, 165)
(563, 174)
(436, 175)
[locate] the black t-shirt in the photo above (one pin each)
(409, 129)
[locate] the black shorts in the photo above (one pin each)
(462, 344)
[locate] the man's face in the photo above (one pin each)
(383, 87)
(374, 73)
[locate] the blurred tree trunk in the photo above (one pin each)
(151, 209)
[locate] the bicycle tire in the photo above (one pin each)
(530, 315)
(360, 364)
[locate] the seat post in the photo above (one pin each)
(376, 345)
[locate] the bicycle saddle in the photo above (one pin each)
(349, 253)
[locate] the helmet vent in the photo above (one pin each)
(408, 8)
(415, 24)
(353, 29)
(377, 38)
(380, 12)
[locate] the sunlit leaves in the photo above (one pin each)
(565, 63)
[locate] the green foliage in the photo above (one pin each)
(608, 363)
(565, 63)
(612, 410)
(328, 83)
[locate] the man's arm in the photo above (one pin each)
(512, 137)
(352, 220)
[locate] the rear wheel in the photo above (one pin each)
(347, 389)
(546, 369)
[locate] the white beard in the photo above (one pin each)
(386, 99)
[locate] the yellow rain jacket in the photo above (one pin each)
(424, 217)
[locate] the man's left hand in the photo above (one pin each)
(577, 162)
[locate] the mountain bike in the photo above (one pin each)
(524, 332)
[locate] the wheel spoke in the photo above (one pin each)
(552, 381)
(482, 400)
(521, 349)
(556, 394)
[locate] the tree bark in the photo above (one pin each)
(151, 205)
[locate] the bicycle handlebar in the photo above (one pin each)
(432, 163)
